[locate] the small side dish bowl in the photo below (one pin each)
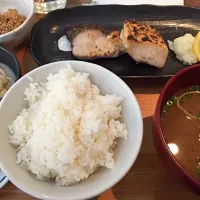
(9, 64)
(3, 179)
(9, 59)
(18, 35)
(125, 152)
(185, 78)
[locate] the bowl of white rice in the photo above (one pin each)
(69, 130)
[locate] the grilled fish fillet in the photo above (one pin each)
(144, 44)
(89, 42)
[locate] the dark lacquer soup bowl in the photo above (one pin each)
(186, 78)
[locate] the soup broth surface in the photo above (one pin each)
(180, 122)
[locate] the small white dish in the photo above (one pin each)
(3, 179)
(18, 35)
(125, 153)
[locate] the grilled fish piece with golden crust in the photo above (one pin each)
(90, 42)
(144, 44)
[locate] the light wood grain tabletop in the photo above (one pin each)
(147, 179)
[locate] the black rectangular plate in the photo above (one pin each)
(171, 21)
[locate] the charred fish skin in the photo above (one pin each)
(144, 44)
(73, 30)
(92, 42)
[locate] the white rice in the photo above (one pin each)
(68, 130)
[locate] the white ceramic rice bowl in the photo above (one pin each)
(126, 151)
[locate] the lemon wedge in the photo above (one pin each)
(196, 46)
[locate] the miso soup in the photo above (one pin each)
(180, 122)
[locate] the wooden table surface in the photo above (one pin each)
(147, 179)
